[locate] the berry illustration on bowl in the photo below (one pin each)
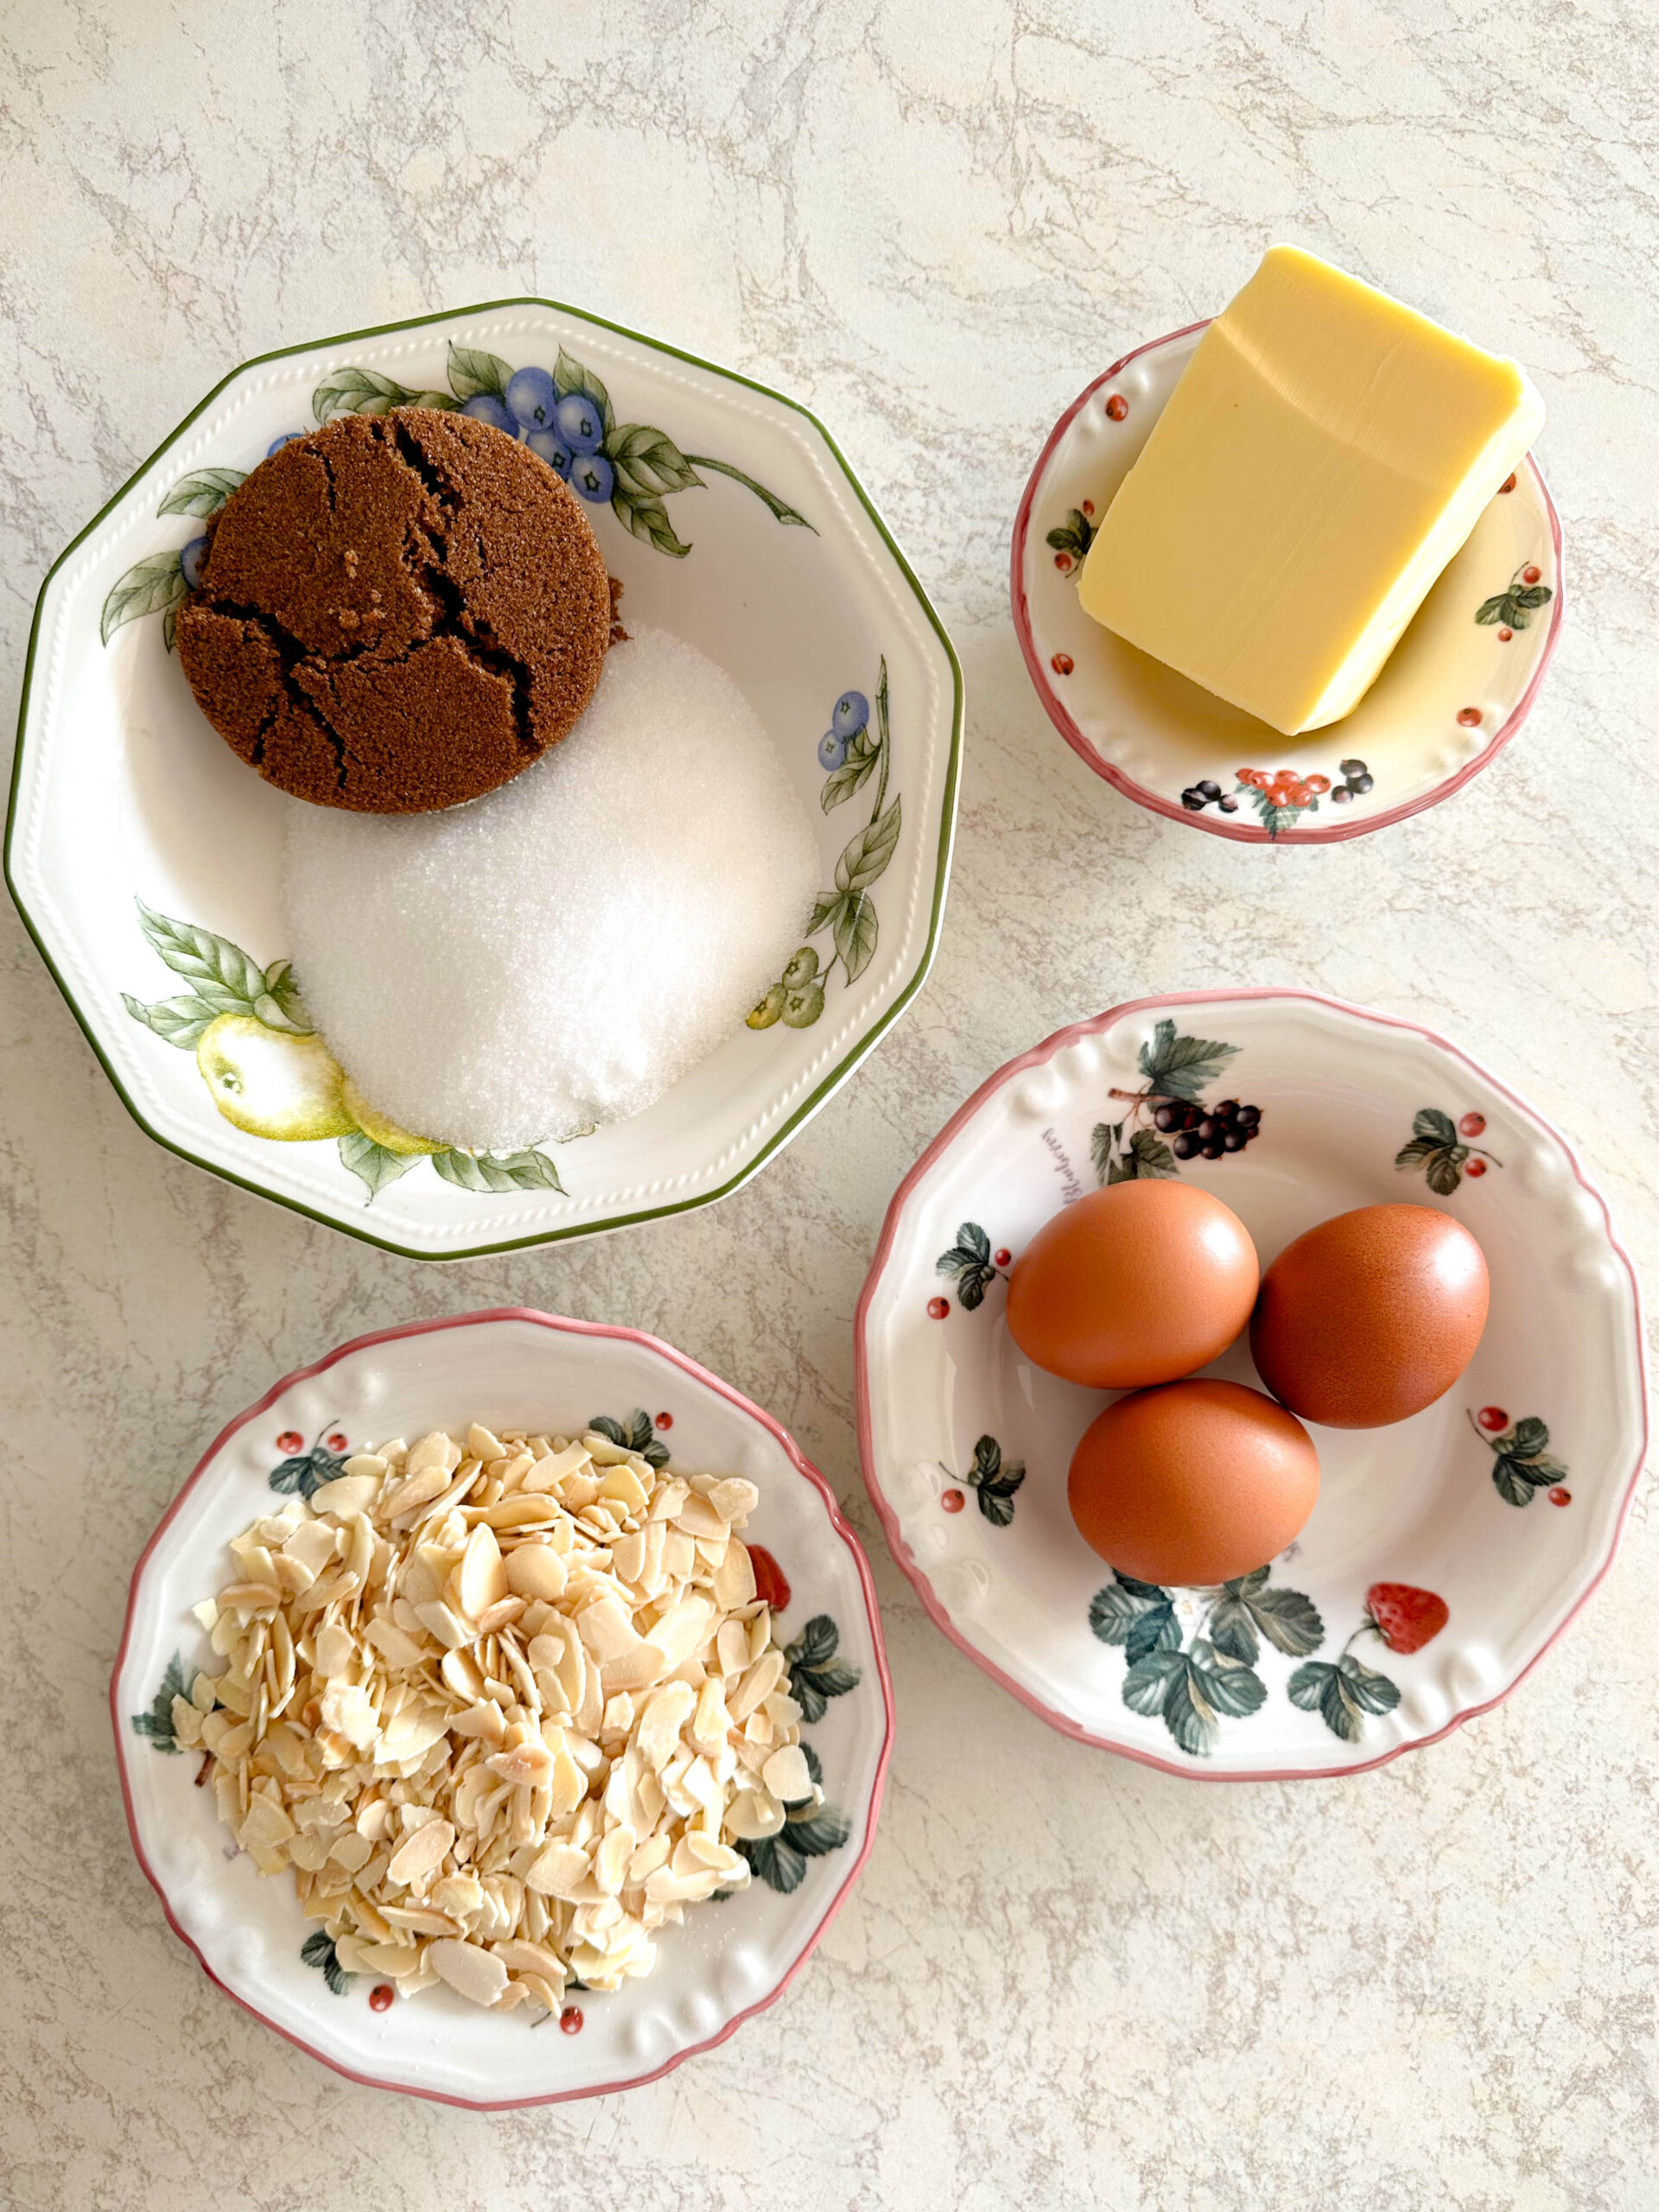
(1522, 1464)
(937, 1308)
(548, 446)
(771, 1583)
(579, 421)
(1404, 1617)
(488, 407)
(1177, 1070)
(532, 399)
(594, 477)
(1117, 407)
(1445, 1150)
(1492, 1419)
(290, 1440)
(852, 714)
(1471, 1125)
(191, 556)
(832, 751)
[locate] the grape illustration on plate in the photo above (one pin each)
(1170, 1120)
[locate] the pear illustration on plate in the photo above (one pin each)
(380, 1129)
(273, 1083)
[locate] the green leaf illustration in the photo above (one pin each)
(305, 1472)
(815, 1674)
(1074, 536)
(318, 1950)
(1179, 1067)
(357, 391)
(637, 1434)
(279, 1006)
(1138, 1615)
(1433, 1127)
(1248, 1609)
(1148, 1683)
(1343, 1693)
(855, 933)
(179, 1022)
(648, 520)
(1146, 1155)
(372, 1165)
(1491, 610)
(203, 493)
(850, 777)
(223, 975)
(649, 461)
(993, 1481)
(497, 1171)
(157, 1723)
(472, 371)
(969, 1260)
(781, 510)
(1103, 1147)
(867, 856)
(569, 376)
(149, 585)
(1513, 605)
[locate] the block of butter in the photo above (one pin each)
(1325, 455)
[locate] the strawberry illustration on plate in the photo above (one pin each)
(1343, 1691)
(1405, 1617)
(771, 1583)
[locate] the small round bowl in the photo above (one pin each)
(1454, 691)
(537, 1372)
(1445, 1553)
(146, 859)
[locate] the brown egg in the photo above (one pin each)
(1137, 1283)
(1192, 1483)
(1370, 1317)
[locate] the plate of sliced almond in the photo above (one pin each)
(494, 1674)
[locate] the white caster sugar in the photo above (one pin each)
(562, 949)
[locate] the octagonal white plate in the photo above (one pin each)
(735, 523)
(1445, 1553)
(537, 1372)
(1454, 691)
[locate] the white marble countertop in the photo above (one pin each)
(1064, 1980)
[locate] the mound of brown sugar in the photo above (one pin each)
(396, 614)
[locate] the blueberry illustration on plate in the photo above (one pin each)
(551, 448)
(190, 560)
(487, 407)
(594, 477)
(851, 715)
(532, 399)
(288, 438)
(832, 750)
(579, 423)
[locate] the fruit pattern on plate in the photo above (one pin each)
(1521, 1458)
(1177, 1070)
(849, 755)
(1282, 796)
(993, 1479)
(270, 1075)
(1192, 1653)
(563, 414)
(1446, 1150)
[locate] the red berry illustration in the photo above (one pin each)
(339, 1441)
(1406, 1618)
(1493, 1419)
(1062, 562)
(1062, 664)
(1319, 785)
(1559, 1496)
(1475, 1168)
(664, 1421)
(1088, 507)
(937, 1308)
(1470, 717)
(771, 1583)
(1530, 575)
(1003, 1258)
(1117, 407)
(571, 2020)
(953, 1501)
(1508, 484)
(290, 1440)
(380, 1997)
(1503, 636)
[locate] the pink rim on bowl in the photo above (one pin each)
(1040, 1055)
(803, 1466)
(1154, 802)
